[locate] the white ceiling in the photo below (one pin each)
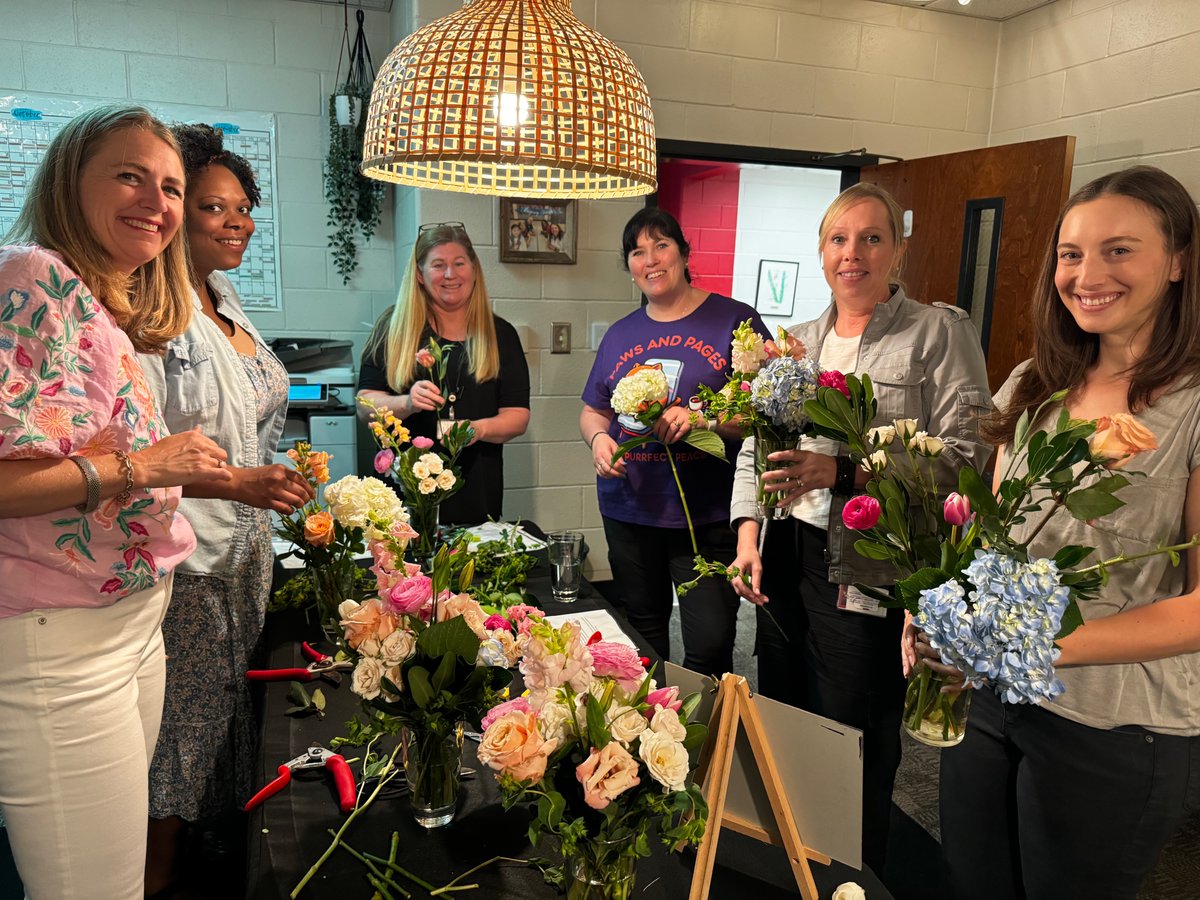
(998, 10)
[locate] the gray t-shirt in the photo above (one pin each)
(1162, 695)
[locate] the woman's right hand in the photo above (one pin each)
(603, 448)
(178, 459)
(915, 650)
(424, 396)
(278, 488)
(750, 564)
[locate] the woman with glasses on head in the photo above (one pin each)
(218, 376)
(443, 297)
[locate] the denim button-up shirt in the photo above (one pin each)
(200, 382)
(926, 364)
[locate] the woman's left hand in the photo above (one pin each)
(278, 488)
(673, 425)
(808, 471)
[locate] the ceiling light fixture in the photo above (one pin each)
(512, 98)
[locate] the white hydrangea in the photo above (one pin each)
(642, 386)
(353, 501)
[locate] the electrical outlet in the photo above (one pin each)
(560, 337)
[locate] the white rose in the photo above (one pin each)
(396, 676)
(876, 462)
(420, 469)
(666, 721)
(446, 480)
(849, 891)
(666, 759)
(347, 608)
(427, 486)
(927, 445)
(905, 429)
(882, 436)
(433, 462)
(626, 723)
(397, 647)
(366, 678)
(555, 723)
(369, 647)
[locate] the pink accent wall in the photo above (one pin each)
(703, 196)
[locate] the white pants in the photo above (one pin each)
(81, 695)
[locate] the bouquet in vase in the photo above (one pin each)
(768, 385)
(604, 756)
(990, 609)
(330, 531)
(426, 477)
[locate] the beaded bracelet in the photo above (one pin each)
(91, 479)
(126, 467)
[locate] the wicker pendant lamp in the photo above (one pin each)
(511, 98)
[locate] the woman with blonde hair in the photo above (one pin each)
(444, 298)
(827, 647)
(94, 270)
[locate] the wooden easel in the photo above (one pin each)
(733, 708)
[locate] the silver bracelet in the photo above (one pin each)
(92, 479)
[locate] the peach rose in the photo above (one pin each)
(318, 529)
(607, 774)
(367, 621)
(1118, 438)
(452, 605)
(513, 744)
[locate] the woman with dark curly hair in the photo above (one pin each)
(218, 376)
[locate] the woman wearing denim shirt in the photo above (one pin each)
(218, 376)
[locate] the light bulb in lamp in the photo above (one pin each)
(511, 109)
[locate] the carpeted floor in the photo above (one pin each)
(915, 816)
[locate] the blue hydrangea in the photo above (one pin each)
(780, 388)
(1002, 630)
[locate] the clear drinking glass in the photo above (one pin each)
(565, 550)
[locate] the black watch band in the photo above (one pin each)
(843, 481)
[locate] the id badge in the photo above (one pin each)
(851, 599)
(444, 425)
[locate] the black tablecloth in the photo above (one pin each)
(290, 831)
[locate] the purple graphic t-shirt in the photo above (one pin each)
(692, 351)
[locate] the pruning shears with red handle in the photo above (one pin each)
(314, 757)
(321, 666)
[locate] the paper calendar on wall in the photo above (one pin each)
(29, 121)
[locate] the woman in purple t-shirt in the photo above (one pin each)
(686, 332)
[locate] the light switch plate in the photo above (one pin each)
(560, 337)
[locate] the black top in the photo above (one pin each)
(482, 463)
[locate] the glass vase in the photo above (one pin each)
(931, 717)
(331, 585)
(423, 517)
(431, 764)
(770, 503)
(600, 870)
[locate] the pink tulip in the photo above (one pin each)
(422, 443)
(667, 697)
(861, 513)
(957, 509)
(425, 358)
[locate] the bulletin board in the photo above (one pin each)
(29, 121)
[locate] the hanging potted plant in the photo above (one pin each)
(355, 202)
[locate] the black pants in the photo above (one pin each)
(1037, 806)
(648, 561)
(838, 664)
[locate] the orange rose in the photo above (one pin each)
(514, 745)
(318, 529)
(1118, 438)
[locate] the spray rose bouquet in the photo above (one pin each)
(605, 755)
(329, 532)
(991, 610)
(426, 476)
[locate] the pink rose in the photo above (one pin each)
(861, 513)
(619, 661)
(495, 620)
(834, 379)
(513, 744)
(383, 460)
(957, 509)
(519, 703)
(411, 595)
(422, 443)
(607, 774)
(664, 697)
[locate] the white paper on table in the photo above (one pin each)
(502, 531)
(593, 620)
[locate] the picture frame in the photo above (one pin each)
(538, 231)
(776, 294)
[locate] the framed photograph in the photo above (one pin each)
(776, 293)
(538, 231)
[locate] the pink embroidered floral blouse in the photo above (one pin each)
(70, 384)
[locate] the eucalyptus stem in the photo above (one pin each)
(682, 499)
(1122, 558)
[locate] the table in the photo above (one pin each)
(289, 832)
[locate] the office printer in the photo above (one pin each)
(320, 399)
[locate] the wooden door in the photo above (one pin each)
(981, 221)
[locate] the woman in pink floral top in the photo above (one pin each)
(89, 534)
